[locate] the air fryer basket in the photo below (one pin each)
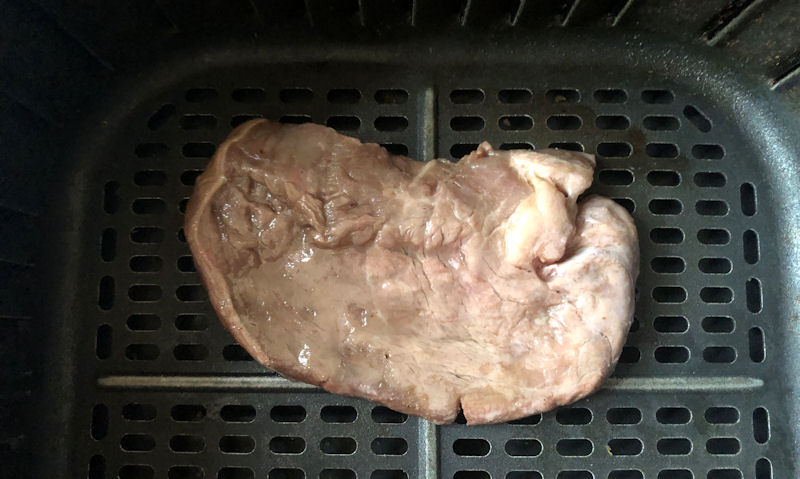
(117, 365)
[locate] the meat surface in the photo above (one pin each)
(482, 285)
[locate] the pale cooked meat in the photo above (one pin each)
(428, 287)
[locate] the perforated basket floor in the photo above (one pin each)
(164, 391)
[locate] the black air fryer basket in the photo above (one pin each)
(114, 364)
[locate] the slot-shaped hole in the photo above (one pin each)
(161, 116)
(625, 474)
(763, 469)
(610, 95)
(287, 445)
(111, 198)
(630, 355)
(147, 234)
(523, 448)
(515, 122)
(237, 120)
(666, 235)
(143, 322)
(99, 425)
(237, 444)
(388, 474)
(190, 352)
(668, 264)
(661, 150)
(723, 445)
(669, 294)
(624, 416)
(750, 246)
(344, 95)
(709, 179)
(615, 177)
(384, 415)
(726, 473)
(287, 473)
(396, 148)
(391, 96)
(97, 467)
(232, 472)
(612, 122)
(515, 96)
(201, 149)
(145, 264)
(673, 415)
(579, 474)
(389, 446)
(136, 471)
(719, 354)
(471, 474)
(675, 474)
(238, 413)
(656, 97)
(661, 123)
(564, 122)
(200, 95)
(747, 194)
(338, 414)
(714, 236)
(471, 447)
(708, 152)
(711, 207)
(753, 295)
(665, 206)
(563, 95)
(198, 122)
(337, 474)
(671, 324)
(144, 292)
(626, 203)
(289, 414)
(150, 150)
(614, 149)
(526, 421)
(188, 412)
(697, 118)
(186, 472)
(466, 123)
(186, 264)
(574, 416)
(722, 415)
(137, 443)
(191, 293)
(718, 324)
(516, 146)
(566, 145)
(138, 412)
(149, 206)
(574, 447)
(191, 322)
(344, 123)
(755, 340)
(337, 445)
(716, 294)
(625, 447)
(391, 123)
(142, 352)
(466, 96)
(295, 119)
(671, 354)
(761, 429)
(294, 96)
(715, 265)
(105, 293)
(234, 352)
(674, 446)
(103, 341)
(459, 150)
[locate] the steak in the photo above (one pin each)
(482, 285)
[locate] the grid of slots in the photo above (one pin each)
(610, 436)
(700, 290)
(282, 437)
(156, 313)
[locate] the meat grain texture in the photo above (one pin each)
(433, 287)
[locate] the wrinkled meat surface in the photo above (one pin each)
(482, 285)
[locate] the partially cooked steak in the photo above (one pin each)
(429, 287)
